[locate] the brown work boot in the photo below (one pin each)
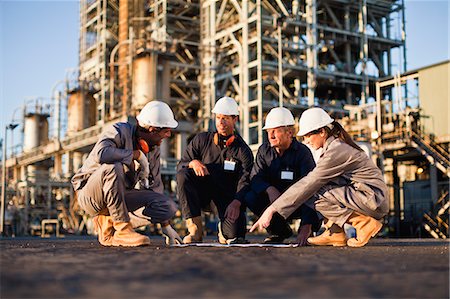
(333, 235)
(126, 236)
(366, 228)
(195, 228)
(103, 225)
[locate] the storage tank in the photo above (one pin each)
(144, 80)
(81, 112)
(35, 131)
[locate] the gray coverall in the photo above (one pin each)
(344, 181)
(105, 182)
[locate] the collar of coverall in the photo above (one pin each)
(226, 141)
(327, 143)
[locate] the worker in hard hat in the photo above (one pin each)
(348, 187)
(280, 162)
(216, 166)
(105, 184)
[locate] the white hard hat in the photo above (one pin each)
(156, 114)
(313, 119)
(226, 106)
(279, 117)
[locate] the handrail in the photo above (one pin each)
(429, 146)
(436, 220)
(427, 139)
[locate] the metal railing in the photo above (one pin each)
(429, 147)
(436, 221)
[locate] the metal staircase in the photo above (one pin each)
(432, 151)
(436, 220)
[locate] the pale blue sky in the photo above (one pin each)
(39, 43)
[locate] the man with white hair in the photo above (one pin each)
(105, 184)
(280, 162)
(216, 166)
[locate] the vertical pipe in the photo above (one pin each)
(27, 203)
(260, 97)
(57, 123)
(379, 114)
(311, 53)
(181, 144)
(404, 48)
(364, 50)
(57, 166)
(123, 53)
(2, 211)
(434, 182)
(396, 198)
(244, 74)
(280, 65)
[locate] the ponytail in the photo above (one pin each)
(338, 131)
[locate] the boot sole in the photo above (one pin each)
(373, 234)
(339, 244)
(129, 245)
(330, 244)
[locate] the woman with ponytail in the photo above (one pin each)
(346, 185)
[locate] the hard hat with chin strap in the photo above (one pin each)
(226, 106)
(156, 114)
(313, 119)
(279, 117)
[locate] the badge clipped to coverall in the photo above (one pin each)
(287, 175)
(229, 165)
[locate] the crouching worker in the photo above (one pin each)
(347, 185)
(105, 183)
(216, 166)
(279, 163)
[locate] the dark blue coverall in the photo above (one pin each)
(296, 162)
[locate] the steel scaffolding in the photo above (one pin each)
(322, 48)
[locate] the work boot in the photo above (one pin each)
(126, 236)
(103, 225)
(366, 228)
(274, 239)
(278, 229)
(333, 235)
(195, 228)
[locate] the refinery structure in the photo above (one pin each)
(336, 54)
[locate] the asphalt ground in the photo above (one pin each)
(81, 268)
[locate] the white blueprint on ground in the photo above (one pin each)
(237, 245)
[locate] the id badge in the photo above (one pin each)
(229, 165)
(287, 175)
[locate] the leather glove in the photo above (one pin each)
(145, 170)
(172, 237)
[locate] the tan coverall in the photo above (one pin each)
(344, 181)
(105, 182)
